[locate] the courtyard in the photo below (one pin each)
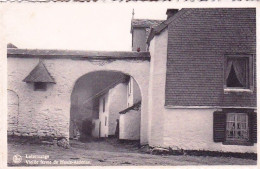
(107, 152)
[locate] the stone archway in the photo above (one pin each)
(122, 94)
(47, 113)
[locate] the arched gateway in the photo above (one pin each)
(44, 81)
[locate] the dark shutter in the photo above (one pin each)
(219, 126)
(253, 127)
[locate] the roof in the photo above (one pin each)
(76, 54)
(136, 106)
(175, 18)
(198, 46)
(10, 45)
(39, 74)
(144, 23)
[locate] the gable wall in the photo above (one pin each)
(196, 48)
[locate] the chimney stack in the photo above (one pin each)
(171, 12)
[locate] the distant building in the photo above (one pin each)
(116, 100)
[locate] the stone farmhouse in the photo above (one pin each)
(195, 73)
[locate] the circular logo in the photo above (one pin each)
(17, 159)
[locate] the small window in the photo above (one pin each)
(105, 120)
(104, 104)
(129, 87)
(238, 72)
(40, 86)
(237, 127)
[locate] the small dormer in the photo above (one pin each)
(40, 77)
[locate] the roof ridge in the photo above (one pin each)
(38, 74)
(175, 18)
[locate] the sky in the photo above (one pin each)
(81, 26)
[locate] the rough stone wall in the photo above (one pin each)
(117, 101)
(129, 125)
(13, 109)
(44, 113)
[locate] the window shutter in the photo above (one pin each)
(219, 126)
(253, 127)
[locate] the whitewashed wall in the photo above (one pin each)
(103, 116)
(48, 112)
(135, 95)
(117, 101)
(129, 125)
(189, 129)
(13, 109)
(158, 52)
(95, 129)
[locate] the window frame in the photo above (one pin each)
(236, 130)
(104, 104)
(250, 73)
(42, 84)
(237, 141)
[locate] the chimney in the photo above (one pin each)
(171, 12)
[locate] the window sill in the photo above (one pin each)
(227, 91)
(241, 143)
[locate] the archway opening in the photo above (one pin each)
(105, 104)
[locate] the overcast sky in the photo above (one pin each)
(85, 26)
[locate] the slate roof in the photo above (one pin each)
(148, 24)
(144, 23)
(198, 45)
(10, 45)
(80, 54)
(39, 74)
(136, 106)
(175, 18)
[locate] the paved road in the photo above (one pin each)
(107, 153)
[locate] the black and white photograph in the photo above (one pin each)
(137, 84)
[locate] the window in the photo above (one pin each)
(237, 127)
(129, 87)
(40, 86)
(105, 120)
(238, 72)
(104, 104)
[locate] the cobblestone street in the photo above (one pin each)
(108, 153)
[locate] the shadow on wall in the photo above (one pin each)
(84, 105)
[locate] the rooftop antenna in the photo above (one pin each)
(133, 13)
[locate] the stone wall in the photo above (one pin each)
(13, 109)
(47, 113)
